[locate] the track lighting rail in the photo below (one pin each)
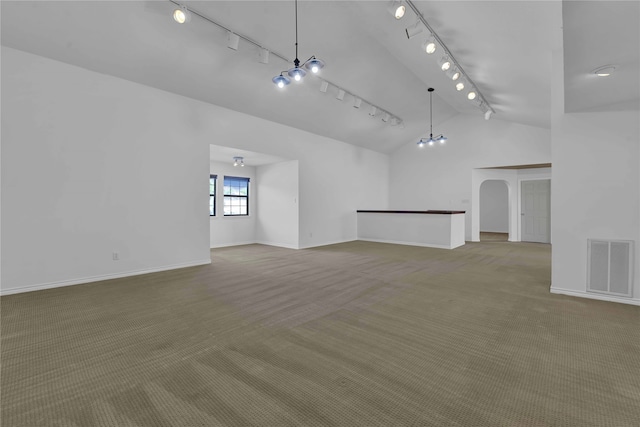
(450, 55)
(219, 25)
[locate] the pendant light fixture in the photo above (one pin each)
(296, 73)
(431, 140)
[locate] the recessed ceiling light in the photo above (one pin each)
(604, 71)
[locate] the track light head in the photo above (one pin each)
(471, 95)
(232, 40)
(454, 73)
(281, 81)
(264, 56)
(340, 95)
(445, 63)
(397, 9)
(357, 102)
(324, 86)
(459, 86)
(181, 15)
(414, 30)
(429, 46)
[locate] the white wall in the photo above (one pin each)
(595, 191)
(335, 178)
(233, 230)
(126, 169)
(277, 204)
(440, 177)
(494, 207)
(92, 165)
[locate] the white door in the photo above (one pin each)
(536, 211)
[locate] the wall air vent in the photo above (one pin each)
(610, 267)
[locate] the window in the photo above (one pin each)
(236, 196)
(212, 194)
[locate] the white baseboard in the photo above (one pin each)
(424, 245)
(580, 294)
(279, 245)
(226, 245)
(335, 242)
(83, 280)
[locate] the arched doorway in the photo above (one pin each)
(494, 210)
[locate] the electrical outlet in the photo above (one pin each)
(116, 256)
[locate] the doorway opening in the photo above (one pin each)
(511, 177)
(494, 211)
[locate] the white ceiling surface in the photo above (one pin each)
(504, 46)
(596, 34)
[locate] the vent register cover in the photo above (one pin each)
(610, 267)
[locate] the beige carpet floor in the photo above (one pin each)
(354, 334)
(488, 236)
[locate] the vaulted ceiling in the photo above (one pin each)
(505, 47)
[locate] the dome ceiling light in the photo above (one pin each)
(604, 71)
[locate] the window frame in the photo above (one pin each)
(214, 194)
(247, 180)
